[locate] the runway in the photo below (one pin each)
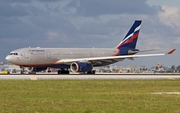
(88, 77)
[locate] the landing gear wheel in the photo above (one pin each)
(31, 73)
(59, 72)
(63, 71)
(91, 72)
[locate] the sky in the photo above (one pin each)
(91, 23)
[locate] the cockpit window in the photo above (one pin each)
(13, 54)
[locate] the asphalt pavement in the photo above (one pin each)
(92, 77)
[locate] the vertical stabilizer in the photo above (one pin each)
(131, 37)
(128, 44)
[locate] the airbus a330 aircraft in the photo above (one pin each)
(80, 60)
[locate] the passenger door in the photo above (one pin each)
(48, 54)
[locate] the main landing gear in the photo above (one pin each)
(66, 71)
(91, 72)
(63, 71)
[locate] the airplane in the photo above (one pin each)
(79, 60)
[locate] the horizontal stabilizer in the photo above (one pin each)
(148, 50)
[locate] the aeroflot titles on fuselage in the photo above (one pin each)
(36, 51)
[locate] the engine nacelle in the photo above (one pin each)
(81, 67)
(36, 69)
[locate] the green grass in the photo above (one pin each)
(89, 96)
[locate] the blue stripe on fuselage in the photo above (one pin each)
(103, 63)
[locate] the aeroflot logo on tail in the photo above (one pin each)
(132, 34)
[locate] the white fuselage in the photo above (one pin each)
(49, 56)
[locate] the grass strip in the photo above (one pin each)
(89, 96)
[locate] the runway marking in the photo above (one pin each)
(169, 93)
(167, 77)
(33, 78)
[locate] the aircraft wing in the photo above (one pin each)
(110, 58)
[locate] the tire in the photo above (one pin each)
(91, 72)
(63, 72)
(59, 72)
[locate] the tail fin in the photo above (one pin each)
(131, 37)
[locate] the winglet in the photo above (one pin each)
(170, 52)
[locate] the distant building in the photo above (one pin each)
(1, 63)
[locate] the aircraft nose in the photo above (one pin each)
(8, 58)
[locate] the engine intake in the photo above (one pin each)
(81, 67)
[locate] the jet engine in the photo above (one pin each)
(36, 69)
(81, 67)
